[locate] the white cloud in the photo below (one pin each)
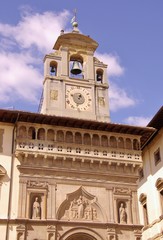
(119, 98)
(40, 30)
(137, 121)
(113, 62)
(25, 44)
(23, 48)
(19, 78)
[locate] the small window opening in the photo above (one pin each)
(157, 157)
(99, 75)
(53, 68)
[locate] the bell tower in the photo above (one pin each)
(75, 82)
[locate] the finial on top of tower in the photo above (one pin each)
(74, 22)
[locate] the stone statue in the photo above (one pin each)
(122, 214)
(36, 213)
(80, 203)
(73, 209)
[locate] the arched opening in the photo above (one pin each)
(60, 136)
(87, 139)
(78, 138)
(69, 137)
(32, 133)
(135, 144)
(104, 141)
(99, 75)
(80, 236)
(76, 66)
(120, 142)
(95, 140)
(50, 135)
(113, 142)
(128, 143)
(22, 132)
(41, 134)
(53, 68)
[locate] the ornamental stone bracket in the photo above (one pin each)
(51, 232)
(111, 234)
(92, 163)
(2, 171)
(20, 232)
(137, 234)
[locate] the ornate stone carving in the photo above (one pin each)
(2, 171)
(37, 184)
(20, 232)
(111, 234)
(122, 191)
(80, 206)
(101, 101)
(54, 94)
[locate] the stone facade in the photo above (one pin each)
(150, 190)
(67, 172)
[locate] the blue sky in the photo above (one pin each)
(130, 37)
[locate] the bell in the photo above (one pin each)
(52, 69)
(99, 77)
(76, 68)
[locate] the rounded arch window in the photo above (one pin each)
(22, 132)
(50, 135)
(113, 142)
(78, 138)
(135, 144)
(120, 142)
(53, 68)
(128, 143)
(87, 139)
(69, 137)
(41, 134)
(95, 140)
(60, 136)
(76, 66)
(104, 141)
(32, 133)
(99, 75)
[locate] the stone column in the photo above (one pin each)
(51, 202)
(28, 205)
(110, 204)
(64, 62)
(22, 199)
(135, 210)
(129, 215)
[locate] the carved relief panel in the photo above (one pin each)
(80, 206)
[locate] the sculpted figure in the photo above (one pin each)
(73, 209)
(36, 213)
(122, 214)
(80, 203)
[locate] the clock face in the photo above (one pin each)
(78, 98)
